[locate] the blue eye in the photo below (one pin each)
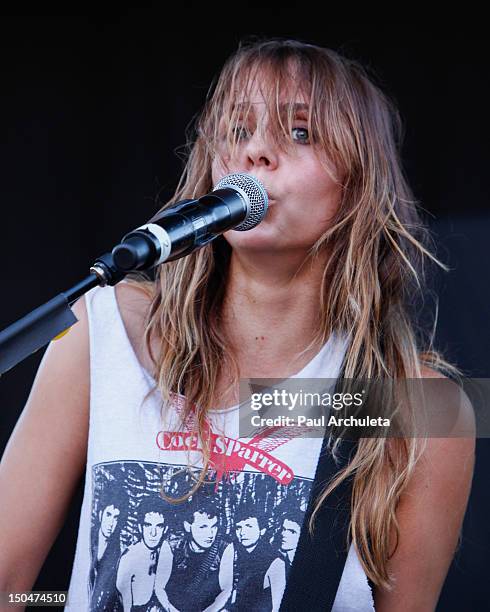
(240, 132)
(301, 135)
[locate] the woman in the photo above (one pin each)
(323, 285)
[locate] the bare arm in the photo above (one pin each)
(276, 577)
(164, 570)
(45, 457)
(430, 515)
(124, 580)
(225, 578)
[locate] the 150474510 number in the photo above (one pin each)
(34, 598)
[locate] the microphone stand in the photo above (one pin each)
(34, 330)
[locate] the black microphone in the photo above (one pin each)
(238, 201)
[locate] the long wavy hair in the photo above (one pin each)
(378, 250)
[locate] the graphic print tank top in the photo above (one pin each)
(230, 547)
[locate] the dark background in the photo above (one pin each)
(94, 113)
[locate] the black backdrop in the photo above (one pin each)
(93, 118)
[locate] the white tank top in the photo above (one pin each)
(232, 545)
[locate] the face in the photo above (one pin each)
(303, 197)
(108, 520)
(203, 529)
(153, 529)
(248, 532)
(289, 535)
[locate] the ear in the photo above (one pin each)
(187, 526)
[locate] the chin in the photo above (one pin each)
(259, 238)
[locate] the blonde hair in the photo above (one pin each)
(378, 248)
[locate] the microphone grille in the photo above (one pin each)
(255, 193)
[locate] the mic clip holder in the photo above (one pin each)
(106, 270)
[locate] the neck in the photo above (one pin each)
(271, 311)
(103, 538)
(194, 547)
(250, 549)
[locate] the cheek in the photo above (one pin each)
(322, 196)
(313, 180)
(219, 169)
(214, 172)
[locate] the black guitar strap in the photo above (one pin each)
(319, 559)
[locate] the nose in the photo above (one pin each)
(259, 152)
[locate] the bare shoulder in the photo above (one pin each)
(455, 436)
(131, 294)
(133, 300)
(452, 399)
(431, 373)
